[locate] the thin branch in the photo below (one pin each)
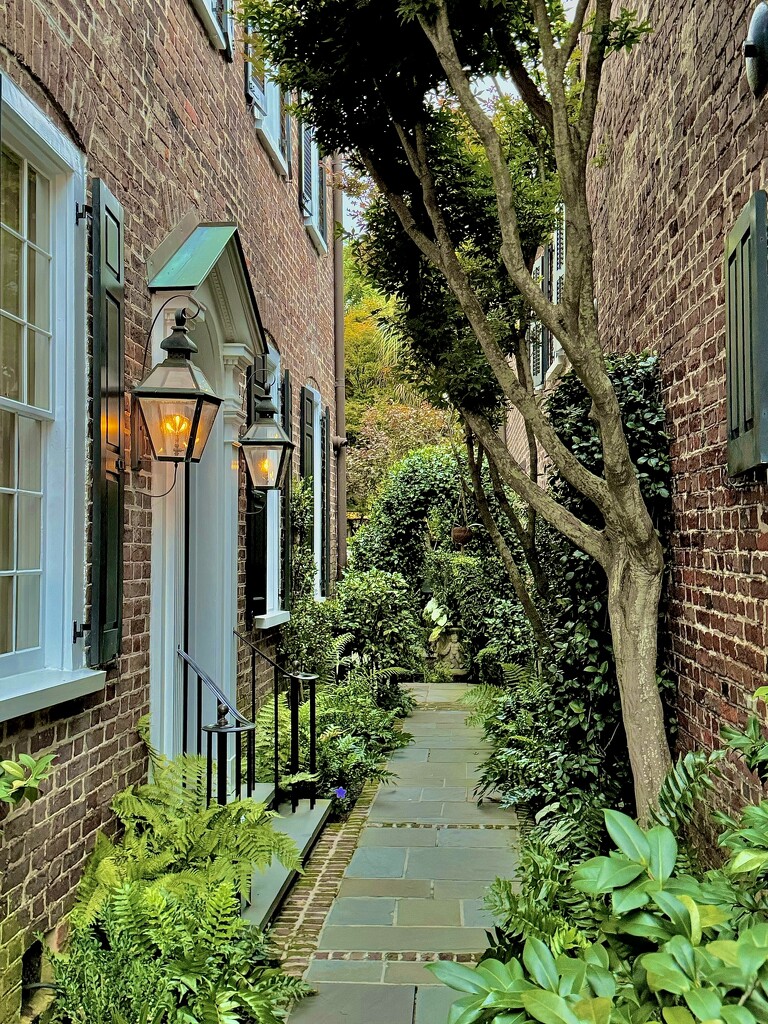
(574, 31)
(530, 93)
(589, 540)
(508, 559)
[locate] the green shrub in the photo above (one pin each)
(633, 935)
(420, 496)
(157, 934)
(378, 610)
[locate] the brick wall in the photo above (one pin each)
(682, 145)
(161, 116)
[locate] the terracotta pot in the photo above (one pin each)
(460, 535)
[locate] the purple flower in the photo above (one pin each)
(340, 792)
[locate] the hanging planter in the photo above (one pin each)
(461, 535)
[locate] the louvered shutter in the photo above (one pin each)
(108, 375)
(322, 201)
(255, 525)
(286, 532)
(325, 562)
(746, 279)
(307, 446)
(285, 131)
(306, 196)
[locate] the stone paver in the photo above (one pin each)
(413, 890)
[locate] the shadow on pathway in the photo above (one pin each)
(413, 890)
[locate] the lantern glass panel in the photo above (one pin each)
(264, 464)
(169, 423)
(204, 428)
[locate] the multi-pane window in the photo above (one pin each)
(313, 189)
(25, 394)
(269, 105)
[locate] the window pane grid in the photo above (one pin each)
(25, 341)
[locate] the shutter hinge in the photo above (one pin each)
(79, 629)
(82, 210)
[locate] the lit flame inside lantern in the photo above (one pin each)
(178, 427)
(264, 467)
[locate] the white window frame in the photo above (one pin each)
(267, 117)
(56, 671)
(275, 614)
(222, 36)
(317, 488)
(312, 218)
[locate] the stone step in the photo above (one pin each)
(271, 886)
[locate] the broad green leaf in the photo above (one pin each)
(726, 950)
(499, 975)
(753, 949)
(683, 953)
(573, 974)
(645, 926)
(737, 1015)
(704, 1003)
(541, 964)
(466, 1010)
(596, 954)
(675, 910)
(548, 1008)
(677, 1015)
(693, 912)
(602, 981)
(748, 860)
(603, 874)
(663, 847)
(712, 916)
(664, 975)
(459, 977)
(595, 1011)
(628, 836)
(631, 897)
(511, 1018)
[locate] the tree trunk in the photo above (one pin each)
(634, 591)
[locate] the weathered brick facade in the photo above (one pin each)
(682, 145)
(161, 116)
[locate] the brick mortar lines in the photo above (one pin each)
(296, 929)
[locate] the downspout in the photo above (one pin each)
(340, 440)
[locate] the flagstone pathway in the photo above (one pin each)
(412, 892)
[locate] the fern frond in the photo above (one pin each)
(685, 786)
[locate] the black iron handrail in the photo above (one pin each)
(222, 729)
(297, 681)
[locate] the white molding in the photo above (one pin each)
(271, 619)
(34, 691)
(210, 23)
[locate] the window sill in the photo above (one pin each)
(270, 145)
(211, 25)
(271, 619)
(314, 233)
(33, 691)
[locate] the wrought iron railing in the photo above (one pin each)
(234, 769)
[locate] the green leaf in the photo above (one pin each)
(645, 926)
(466, 1010)
(737, 1015)
(664, 975)
(459, 977)
(603, 874)
(726, 950)
(628, 836)
(548, 1008)
(573, 974)
(541, 964)
(704, 1003)
(663, 846)
(677, 1015)
(676, 911)
(748, 860)
(632, 897)
(595, 1011)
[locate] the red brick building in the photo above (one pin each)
(146, 167)
(683, 146)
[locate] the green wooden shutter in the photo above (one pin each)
(325, 573)
(307, 447)
(108, 427)
(322, 200)
(255, 74)
(255, 523)
(286, 532)
(306, 167)
(746, 311)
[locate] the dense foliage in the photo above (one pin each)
(557, 731)
(638, 932)
(20, 780)
(157, 934)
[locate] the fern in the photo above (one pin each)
(685, 786)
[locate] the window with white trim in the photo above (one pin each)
(313, 189)
(218, 20)
(42, 403)
(269, 106)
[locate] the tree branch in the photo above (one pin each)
(589, 540)
(508, 559)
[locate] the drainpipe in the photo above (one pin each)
(340, 440)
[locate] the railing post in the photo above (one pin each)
(276, 752)
(221, 756)
(313, 738)
(294, 739)
(251, 739)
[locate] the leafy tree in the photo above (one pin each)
(372, 76)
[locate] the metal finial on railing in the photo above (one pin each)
(221, 722)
